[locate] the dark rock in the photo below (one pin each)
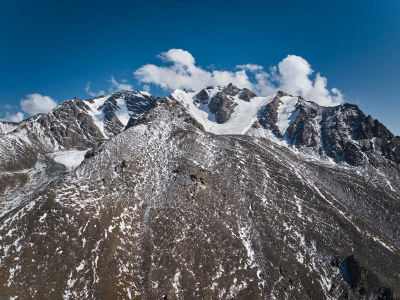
(268, 117)
(121, 167)
(386, 294)
(222, 107)
(352, 273)
(353, 154)
(231, 90)
(247, 95)
(201, 97)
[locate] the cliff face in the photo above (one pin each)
(162, 207)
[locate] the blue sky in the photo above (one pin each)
(54, 48)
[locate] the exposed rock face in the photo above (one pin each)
(202, 97)
(222, 106)
(137, 104)
(69, 125)
(231, 90)
(165, 210)
(247, 95)
(268, 117)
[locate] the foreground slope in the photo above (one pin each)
(166, 209)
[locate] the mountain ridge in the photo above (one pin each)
(162, 206)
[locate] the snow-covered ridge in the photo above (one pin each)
(243, 117)
(6, 127)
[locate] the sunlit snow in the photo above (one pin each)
(69, 158)
(243, 117)
(287, 112)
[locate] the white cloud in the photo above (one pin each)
(36, 103)
(117, 86)
(250, 67)
(91, 93)
(178, 56)
(18, 117)
(293, 75)
(182, 73)
(146, 88)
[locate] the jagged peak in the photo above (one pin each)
(229, 90)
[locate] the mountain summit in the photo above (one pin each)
(210, 194)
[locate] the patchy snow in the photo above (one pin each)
(41, 220)
(244, 115)
(244, 234)
(287, 112)
(144, 93)
(69, 158)
(81, 266)
(175, 282)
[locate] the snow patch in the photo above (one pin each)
(122, 112)
(287, 113)
(69, 158)
(96, 113)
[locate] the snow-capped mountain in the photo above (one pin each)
(342, 133)
(210, 194)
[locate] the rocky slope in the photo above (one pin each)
(210, 194)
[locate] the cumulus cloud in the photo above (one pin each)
(293, 75)
(18, 117)
(92, 93)
(183, 73)
(36, 103)
(117, 86)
